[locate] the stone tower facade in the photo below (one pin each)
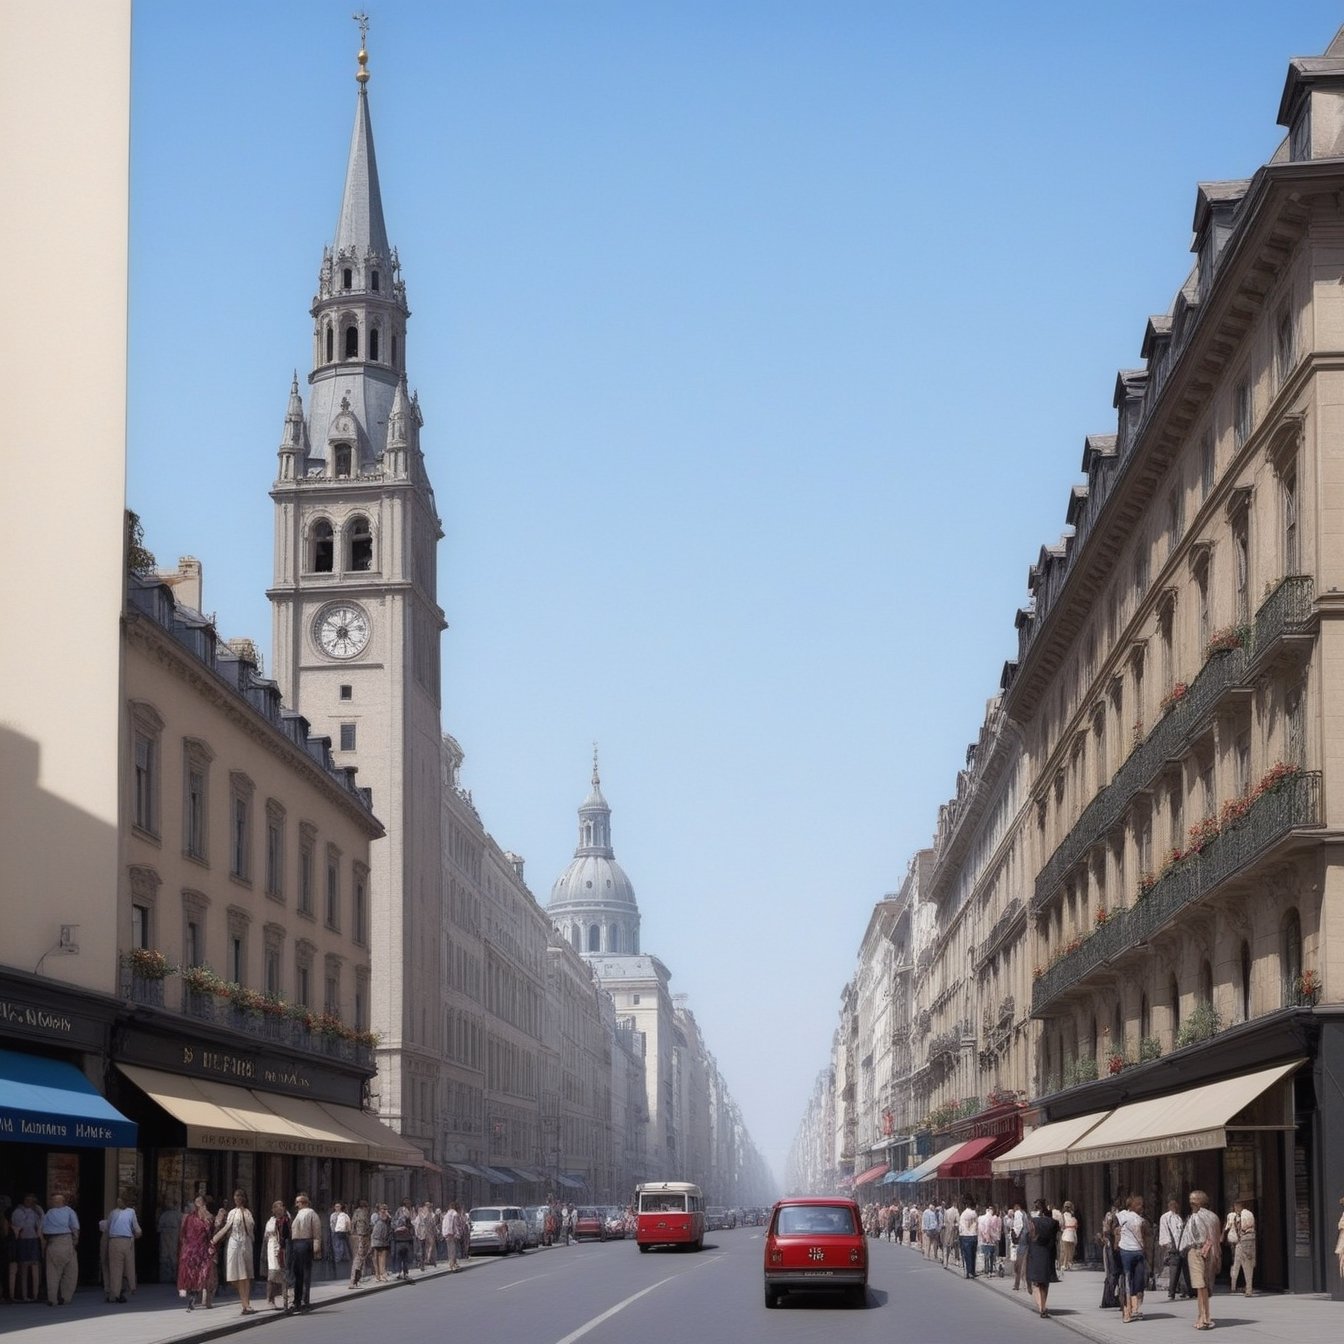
(356, 620)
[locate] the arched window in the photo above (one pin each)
(373, 282)
(331, 344)
(1245, 981)
(347, 278)
(614, 939)
(322, 553)
(340, 461)
(1205, 983)
(1117, 1032)
(1174, 998)
(1290, 954)
(594, 938)
(1094, 1041)
(360, 536)
(587, 833)
(574, 937)
(352, 342)
(373, 342)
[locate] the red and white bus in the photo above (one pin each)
(669, 1213)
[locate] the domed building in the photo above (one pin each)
(593, 907)
(593, 902)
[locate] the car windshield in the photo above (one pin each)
(485, 1215)
(815, 1220)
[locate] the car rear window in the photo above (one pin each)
(815, 1220)
(485, 1215)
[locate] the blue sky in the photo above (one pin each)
(756, 344)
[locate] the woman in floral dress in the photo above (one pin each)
(196, 1256)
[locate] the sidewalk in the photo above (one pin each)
(1274, 1318)
(156, 1315)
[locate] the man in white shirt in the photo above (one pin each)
(968, 1229)
(305, 1244)
(1169, 1229)
(123, 1231)
(989, 1227)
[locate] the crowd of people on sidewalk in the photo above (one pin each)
(1183, 1250)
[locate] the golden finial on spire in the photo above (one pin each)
(363, 20)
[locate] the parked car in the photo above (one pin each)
(590, 1224)
(535, 1218)
(716, 1220)
(816, 1245)
(499, 1228)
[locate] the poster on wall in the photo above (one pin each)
(63, 1176)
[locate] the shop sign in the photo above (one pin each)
(22, 1017)
(1167, 1146)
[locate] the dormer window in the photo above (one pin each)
(373, 282)
(352, 342)
(347, 278)
(1299, 138)
(340, 461)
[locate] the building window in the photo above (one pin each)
(360, 557)
(1285, 347)
(360, 913)
(352, 342)
(240, 826)
(1206, 464)
(394, 352)
(303, 972)
(331, 994)
(196, 758)
(1202, 589)
(1290, 953)
(1245, 981)
(373, 281)
(1175, 517)
(307, 839)
(634, 999)
(347, 278)
(1140, 573)
(1241, 761)
(1174, 1002)
(361, 1022)
(273, 972)
(1145, 1018)
(1292, 559)
(341, 461)
(347, 692)
(1295, 749)
(1205, 982)
(1241, 566)
(594, 938)
(1241, 422)
(321, 548)
(333, 907)
(140, 925)
(373, 343)
(347, 737)
(331, 345)
(146, 732)
(275, 850)
(236, 969)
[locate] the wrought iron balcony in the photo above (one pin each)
(1286, 612)
(945, 1043)
(1290, 805)
(272, 1029)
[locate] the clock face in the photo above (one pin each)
(342, 630)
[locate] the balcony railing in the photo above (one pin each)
(1295, 803)
(1285, 611)
(945, 1043)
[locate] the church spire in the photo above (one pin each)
(360, 230)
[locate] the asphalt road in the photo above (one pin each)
(608, 1293)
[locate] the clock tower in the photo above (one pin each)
(356, 620)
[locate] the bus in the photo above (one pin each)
(669, 1213)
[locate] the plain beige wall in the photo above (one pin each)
(65, 102)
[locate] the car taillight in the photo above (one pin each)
(776, 1257)
(855, 1256)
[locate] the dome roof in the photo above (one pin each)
(593, 880)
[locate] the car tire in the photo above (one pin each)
(858, 1297)
(771, 1298)
(643, 1248)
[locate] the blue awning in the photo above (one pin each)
(495, 1176)
(49, 1101)
(891, 1178)
(574, 1183)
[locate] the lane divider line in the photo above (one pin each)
(588, 1326)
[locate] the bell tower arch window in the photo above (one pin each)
(394, 352)
(373, 282)
(331, 344)
(360, 542)
(594, 938)
(321, 548)
(340, 461)
(347, 278)
(352, 342)
(373, 343)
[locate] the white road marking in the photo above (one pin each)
(550, 1274)
(621, 1306)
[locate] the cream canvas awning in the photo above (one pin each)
(223, 1116)
(1046, 1145)
(1188, 1121)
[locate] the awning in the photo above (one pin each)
(865, 1177)
(49, 1101)
(569, 1181)
(1189, 1121)
(495, 1176)
(464, 1168)
(891, 1178)
(224, 1117)
(527, 1174)
(928, 1169)
(1046, 1145)
(971, 1160)
(510, 1174)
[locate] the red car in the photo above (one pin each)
(589, 1223)
(816, 1245)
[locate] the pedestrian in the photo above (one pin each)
(169, 1228)
(25, 1222)
(238, 1235)
(59, 1235)
(968, 1230)
(361, 1224)
(426, 1238)
(930, 1224)
(571, 1222)
(196, 1260)
(1339, 1240)
(1241, 1237)
(1042, 1248)
(277, 1251)
(339, 1221)
(1132, 1244)
(1019, 1224)
(452, 1228)
(305, 1245)
(1068, 1236)
(403, 1239)
(1169, 1229)
(380, 1241)
(989, 1228)
(1203, 1254)
(464, 1235)
(123, 1231)
(951, 1233)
